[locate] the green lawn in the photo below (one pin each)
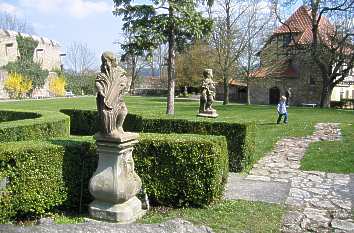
(333, 156)
(227, 216)
(301, 120)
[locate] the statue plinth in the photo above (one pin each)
(208, 113)
(115, 184)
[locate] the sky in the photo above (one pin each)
(66, 21)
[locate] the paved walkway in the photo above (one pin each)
(317, 201)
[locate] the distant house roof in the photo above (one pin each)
(235, 82)
(300, 23)
(280, 70)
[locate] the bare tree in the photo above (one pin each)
(80, 58)
(260, 27)
(234, 26)
(332, 48)
(11, 22)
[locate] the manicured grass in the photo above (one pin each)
(227, 216)
(332, 156)
(301, 120)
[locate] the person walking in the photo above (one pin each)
(282, 110)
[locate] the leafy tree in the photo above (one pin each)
(17, 85)
(57, 86)
(191, 63)
(25, 65)
(175, 22)
(80, 84)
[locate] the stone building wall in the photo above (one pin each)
(3, 93)
(47, 52)
(305, 89)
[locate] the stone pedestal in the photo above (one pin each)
(115, 184)
(209, 113)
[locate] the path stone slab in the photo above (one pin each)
(254, 190)
(177, 225)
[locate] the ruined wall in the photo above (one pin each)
(47, 52)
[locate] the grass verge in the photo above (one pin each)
(332, 156)
(227, 216)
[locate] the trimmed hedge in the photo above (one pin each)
(176, 170)
(16, 115)
(182, 170)
(34, 171)
(240, 136)
(44, 125)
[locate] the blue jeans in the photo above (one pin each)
(285, 117)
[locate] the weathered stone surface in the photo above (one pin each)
(271, 192)
(114, 185)
(318, 196)
(343, 225)
(177, 226)
(207, 95)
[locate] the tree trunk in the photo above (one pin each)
(134, 75)
(226, 89)
(248, 94)
(326, 96)
(171, 67)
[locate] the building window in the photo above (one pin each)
(286, 40)
(39, 52)
(8, 48)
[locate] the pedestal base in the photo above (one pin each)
(124, 213)
(208, 114)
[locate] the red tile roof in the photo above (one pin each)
(235, 82)
(300, 22)
(280, 70)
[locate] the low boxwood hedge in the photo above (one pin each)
(17, 115)
(240, 136)
(41, 125)
(33, 171)
(176, 170)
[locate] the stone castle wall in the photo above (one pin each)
(47, 52)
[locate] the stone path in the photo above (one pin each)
(317, 201)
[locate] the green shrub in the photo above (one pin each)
(240, 136)
(182, 170)
(17, 115)
(34, 171)
(176, 170)
(45, 125)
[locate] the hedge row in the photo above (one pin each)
(43, 125)
(16, 115)
(33, 171)
(176, 170)
(240, 136)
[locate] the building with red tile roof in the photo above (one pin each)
(286, 65)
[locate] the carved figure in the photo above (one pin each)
(207, 93)
(111, 84)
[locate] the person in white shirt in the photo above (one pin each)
(282, 110)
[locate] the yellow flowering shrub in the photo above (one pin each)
(57, 86)
(17, 86)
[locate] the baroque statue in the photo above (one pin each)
(207, 95)
(111, 83)
(114, 184)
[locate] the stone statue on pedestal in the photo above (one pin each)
(115, 184)
(111, 84)
(207, 95)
